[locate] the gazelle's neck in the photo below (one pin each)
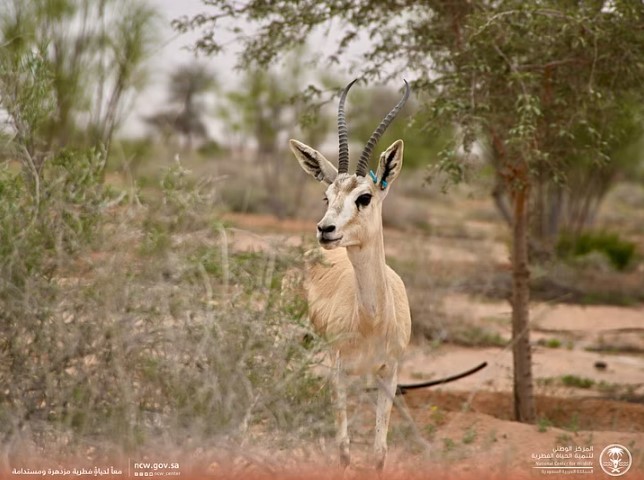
(373, 295)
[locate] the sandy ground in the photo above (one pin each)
(578, 330)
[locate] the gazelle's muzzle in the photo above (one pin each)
(327, 234)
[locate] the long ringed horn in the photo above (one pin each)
(343, 134)
(363, 163)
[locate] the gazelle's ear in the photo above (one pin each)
(390, 164)
(313, 162)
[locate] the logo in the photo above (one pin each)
(565, 460)
(615, 460)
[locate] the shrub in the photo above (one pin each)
(577, 382)
(620, 252)
(100, 345)
(44, 224)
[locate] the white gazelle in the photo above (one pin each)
(355, 300)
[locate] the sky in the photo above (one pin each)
(173, 49)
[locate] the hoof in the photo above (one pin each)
(345, 459)
(380, 461)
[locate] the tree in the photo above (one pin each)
(538, 81)
(574, 104)
(87, 56)
(266, 109)
(260, 110)
(543, 83)
(188, 83)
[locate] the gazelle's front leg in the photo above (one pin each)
(387, 380)
(340, 398)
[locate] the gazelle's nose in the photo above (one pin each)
(325, 228)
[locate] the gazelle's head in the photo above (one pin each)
(354, 201)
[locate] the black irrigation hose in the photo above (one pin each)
(402, 389)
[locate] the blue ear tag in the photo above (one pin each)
(383, 184)
(373, 176)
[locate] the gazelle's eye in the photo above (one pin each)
(363, 200)
(325, 199)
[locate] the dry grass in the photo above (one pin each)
(154, 335)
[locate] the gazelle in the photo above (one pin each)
(354, 298)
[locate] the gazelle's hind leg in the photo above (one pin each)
(387, 380)
(341, 425)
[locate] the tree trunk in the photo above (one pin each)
(498, 194)
(524, 406)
